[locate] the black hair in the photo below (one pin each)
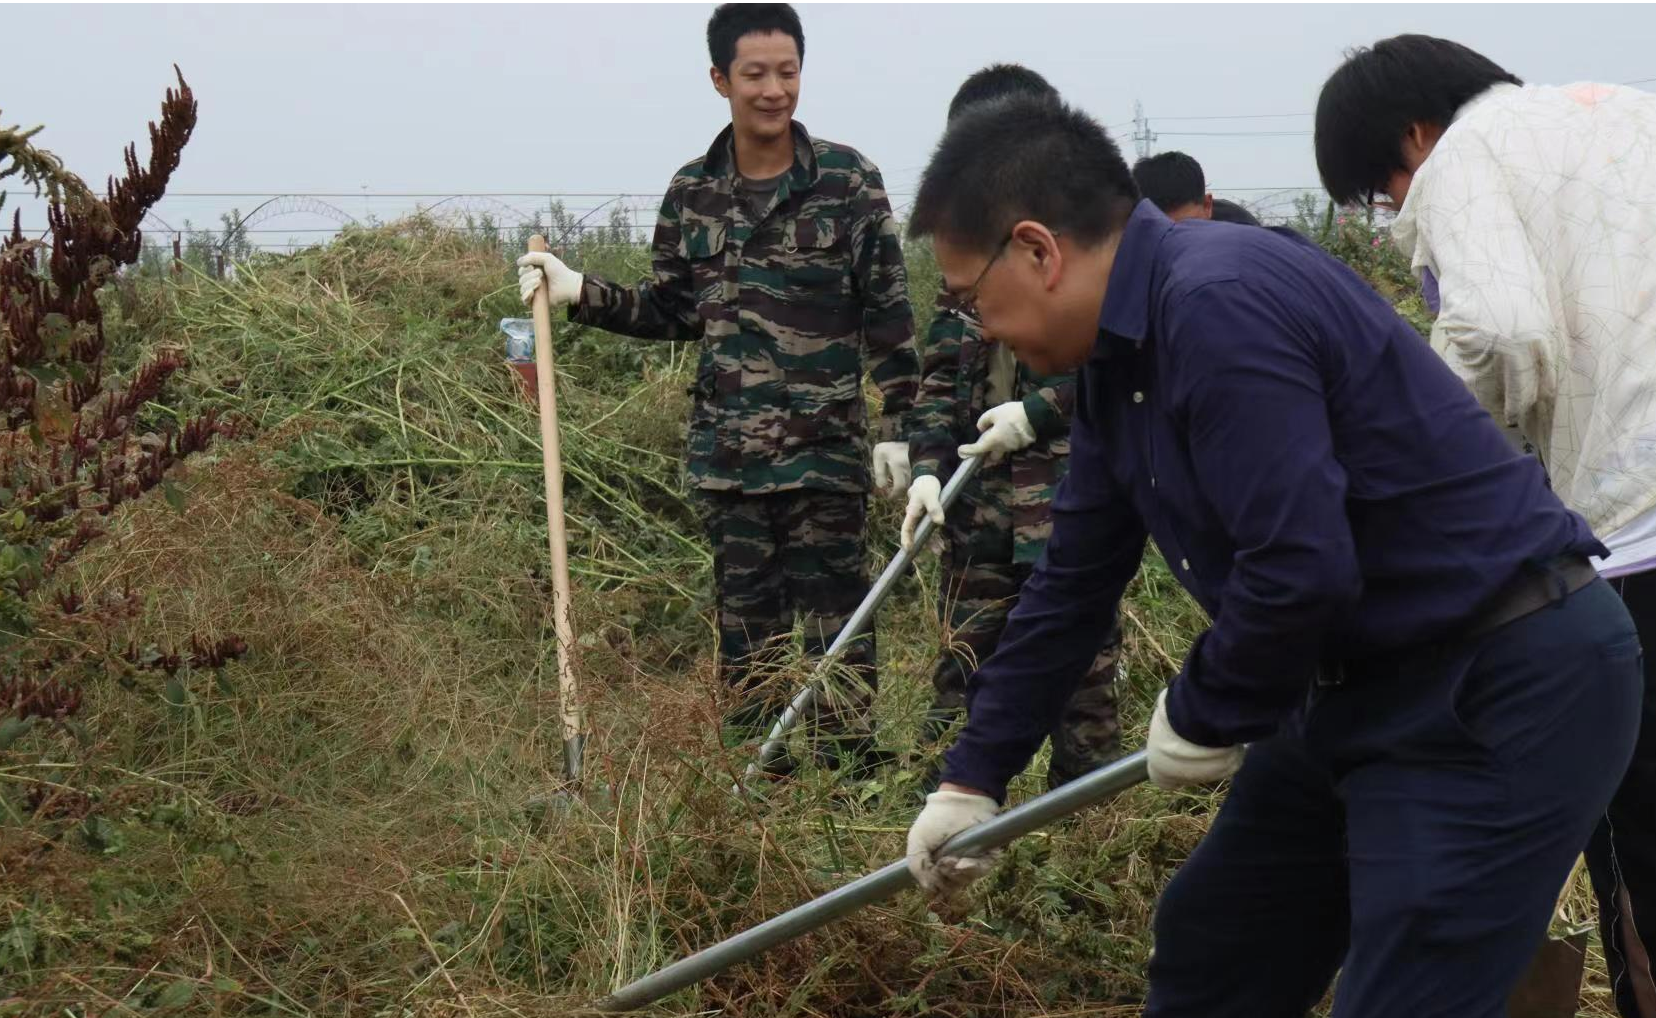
(1225, 211)
(997, 81)
(1170, 179)
(732, 21)
(1369, 103)
(1023, 157)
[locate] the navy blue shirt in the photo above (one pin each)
(1310, 470)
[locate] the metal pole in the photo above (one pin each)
(854, 626)
(1101, 784)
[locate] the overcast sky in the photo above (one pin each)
(612, 98)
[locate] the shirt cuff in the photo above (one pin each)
(1044, 418)
(590, 308)
(962, 767)
(887, 428)
(1194, 720)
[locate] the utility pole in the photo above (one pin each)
(1143, 138)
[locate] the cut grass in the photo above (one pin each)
(355, 821)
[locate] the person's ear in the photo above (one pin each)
(1037, 247)
(721, 84)
(1418, 142)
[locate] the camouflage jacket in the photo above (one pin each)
(787, 305)
(954, 392)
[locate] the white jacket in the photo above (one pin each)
(1536, 210)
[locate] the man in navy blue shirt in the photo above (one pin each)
(1424, 693)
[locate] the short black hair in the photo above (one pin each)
(1170, 179)
(1023, 157)
(1369, 103)
(997, 81)
(1225, 211)
(732, 21)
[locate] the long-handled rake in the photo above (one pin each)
(805, 699)
(1071, 798)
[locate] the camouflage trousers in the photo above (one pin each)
(980, 588)
(786, 557)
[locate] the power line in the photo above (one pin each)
(1233, 134)
(1286, 116)
(444, 229)
(1242, 116)
(414, 194)
(1143, 135)
(427, 194)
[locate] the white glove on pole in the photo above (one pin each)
(891, 467)
(563, 284)
(947, 813)
(1175, 762)
(1002, 429)
(925, 498)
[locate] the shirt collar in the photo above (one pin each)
(720, 160)
(1405, 229)
(1125, 317)
(1487, 94)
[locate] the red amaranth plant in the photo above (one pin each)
(73, 443)
(202, 654)
(25, 696)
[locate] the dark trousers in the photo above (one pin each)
(1410, 828)
(786, 556)
(1621, 857)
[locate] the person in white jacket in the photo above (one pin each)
(1534, 207)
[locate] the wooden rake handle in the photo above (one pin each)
(552, 466)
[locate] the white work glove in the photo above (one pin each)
(891, 467)
(563, 284)
(925, 498)
(1002, 429)
(947, 813)
(1175, 762)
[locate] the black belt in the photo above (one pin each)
(1539, 585)
(1533, 589)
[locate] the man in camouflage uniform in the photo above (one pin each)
(778, 252)
(996, 530)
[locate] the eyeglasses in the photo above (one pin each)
(966, 304)
(1378, 199)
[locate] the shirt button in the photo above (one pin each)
(1184, 564)
(1152, 482)
(1138, 397)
